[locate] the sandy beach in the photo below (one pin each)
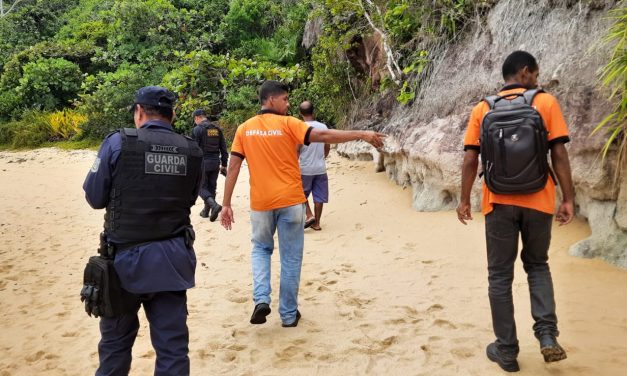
(385, 290)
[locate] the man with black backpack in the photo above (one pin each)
(215, 158)
(514, 131)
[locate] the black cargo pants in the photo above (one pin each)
(503, 225)
(209, 179)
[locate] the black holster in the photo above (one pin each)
(102, 291)
(190, 237)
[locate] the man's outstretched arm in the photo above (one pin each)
(332, 136)
(226, 215)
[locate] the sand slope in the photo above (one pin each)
(385, 290)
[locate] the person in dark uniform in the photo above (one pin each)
(215, 159)
(147, 178)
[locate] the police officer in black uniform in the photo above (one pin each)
(215, 159)
(148, 178)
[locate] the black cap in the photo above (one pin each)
(156, 96)
(199, 112)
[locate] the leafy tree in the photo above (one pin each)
(49, 84)
(108, 95)
(29, 23)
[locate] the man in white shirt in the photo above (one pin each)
(313, 169)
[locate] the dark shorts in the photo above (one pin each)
(318, 185)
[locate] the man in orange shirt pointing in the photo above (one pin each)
(268, 142)
(514, 131)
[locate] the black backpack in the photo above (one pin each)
(514, 145)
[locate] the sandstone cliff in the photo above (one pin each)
(424, 147)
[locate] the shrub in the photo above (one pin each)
(65, 124)
(31, 131)
(615, 77)
(49, 84)
(107, 97)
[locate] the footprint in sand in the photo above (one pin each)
(148, 354)
(235, 296)
(395, 321)
(412, 312)
(435, 308)
(355, 301)
(204, 354)
(236, 333)
(229, 356)
(359, 226)
(348, 268)
(409, 246)
(288, 352)
(237, 299)
(5, 268)
(35, 357)
(236, 347)
(444, 324)
(463, 352)
(374, 347)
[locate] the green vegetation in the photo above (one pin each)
(615, 77)
(69, 68)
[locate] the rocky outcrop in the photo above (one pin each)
(424, 146)
(312, 32)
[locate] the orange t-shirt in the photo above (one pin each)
(555, 124)
(268, 141)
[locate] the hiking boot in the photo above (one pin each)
(507, 363)
(295, 323)
(259, 314)
(550, 349)
(205, 211)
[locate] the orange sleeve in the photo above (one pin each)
(473, 130)
(554, 121)
(299, 130)
(237, 148)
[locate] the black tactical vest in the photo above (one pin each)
(210, 139)
(151, 194)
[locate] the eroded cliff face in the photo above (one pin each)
(424, 146)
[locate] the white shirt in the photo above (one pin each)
(312, 157)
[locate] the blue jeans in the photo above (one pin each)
(289, 222)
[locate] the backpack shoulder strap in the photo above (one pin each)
(531, 94)
(491, 100)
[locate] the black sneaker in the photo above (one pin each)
(506, 363)
(259, 314)
(214, 213)
(295, 323)
(550, 349)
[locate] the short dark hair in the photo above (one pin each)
(516, 61)
(199, 112)
(306, 108)
(271, 88)
(164, 112)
